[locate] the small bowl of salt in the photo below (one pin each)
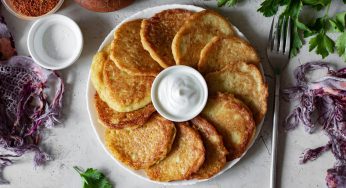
(55, 42)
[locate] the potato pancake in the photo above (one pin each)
(128, 53)
(186, 157)
(233, 120)
(215, 154)
(222, 51)
(196, 33)
(144, 146)
(245, 81)
(125, 92)
(119, 120)
(157, 34)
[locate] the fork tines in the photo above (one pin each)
(279, 37)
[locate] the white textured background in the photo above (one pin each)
(74, 142)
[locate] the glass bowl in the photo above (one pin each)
(10, 8)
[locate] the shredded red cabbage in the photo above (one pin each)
(322, 102)
(336, 177)
(25, 108)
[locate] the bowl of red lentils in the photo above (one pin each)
(32, 9)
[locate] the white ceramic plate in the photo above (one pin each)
(100, 130)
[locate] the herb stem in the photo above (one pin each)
(326, 14)
(78, 169)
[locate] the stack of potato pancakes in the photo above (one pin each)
(123, 72)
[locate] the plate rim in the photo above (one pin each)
(90, 92)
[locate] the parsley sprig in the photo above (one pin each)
(93, 178)
(318, 29)
(227, 2)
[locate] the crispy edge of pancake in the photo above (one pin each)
(189, 27)
(117, 51)
(112, 95)
(216, 152)
(237, 105)
(96, 74)
(258, 113)
(149, 24)
(207, 61)
(119, 120)
(164, 144)
(159, 171)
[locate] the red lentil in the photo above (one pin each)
(33, 8)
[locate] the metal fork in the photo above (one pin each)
(278, 53)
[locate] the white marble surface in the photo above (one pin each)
(74, 142)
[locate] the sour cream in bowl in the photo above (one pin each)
(179, 93)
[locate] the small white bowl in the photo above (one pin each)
(170, 89)
(55, 42)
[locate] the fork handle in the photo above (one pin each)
(275, 133)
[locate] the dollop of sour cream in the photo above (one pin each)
(179, 93)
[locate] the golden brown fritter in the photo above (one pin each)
(233, 120)
(157, 34)
(128, 53)
(119, 120)
(215, 156)
(144, 146)
(244, 81)
(196, 33)
(125, 92)
(186, 157)
(222, 51)
(96, 75)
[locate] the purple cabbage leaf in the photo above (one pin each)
(322, 103)
(25, 108)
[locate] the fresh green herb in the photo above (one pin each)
(318, 29)
(339, 24)
(323, 44)
(293, 9)
(270, 7)
(341, 45)
(93, 178)
(318, 4)
(229, 3)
